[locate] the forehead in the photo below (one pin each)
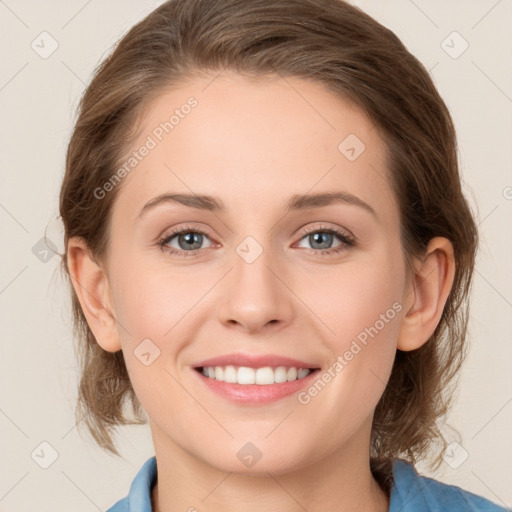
(254, 143)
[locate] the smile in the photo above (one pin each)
(263, 376)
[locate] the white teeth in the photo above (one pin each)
(230, 374)
(302, 373)
(262, 376)
(292, 374)
(281, 374)
(265, 376)
(245, 375)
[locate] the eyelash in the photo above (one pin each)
(347, 241)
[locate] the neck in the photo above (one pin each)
(343, 481)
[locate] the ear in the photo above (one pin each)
(428, 291)
(92, 289)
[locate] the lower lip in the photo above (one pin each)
(256, 393)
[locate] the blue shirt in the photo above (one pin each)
(410, 493)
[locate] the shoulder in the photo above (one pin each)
(413, 492)
(139, 496)
(122, 505)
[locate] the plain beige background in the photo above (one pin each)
(38, 96)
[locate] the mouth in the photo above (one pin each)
(254, 379)
(244, 385)
(262, 376)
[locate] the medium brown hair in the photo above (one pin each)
(347, 51)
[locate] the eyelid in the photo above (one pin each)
(302, 232)
(170, 232)
(323, 227)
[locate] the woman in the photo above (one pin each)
(270, 255)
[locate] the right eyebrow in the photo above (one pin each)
(203, 202)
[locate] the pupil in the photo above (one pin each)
(317, 237)
(190, 239)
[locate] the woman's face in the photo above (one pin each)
(258, 271)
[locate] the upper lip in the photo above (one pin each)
(254, 361)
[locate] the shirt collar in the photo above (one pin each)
(407, 491)
(142, 486)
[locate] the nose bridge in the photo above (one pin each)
(255, 295)
(253, 262)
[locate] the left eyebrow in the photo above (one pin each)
(296, 202)
(309, 201)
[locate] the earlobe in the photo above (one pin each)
(430, 288)
(91, 286)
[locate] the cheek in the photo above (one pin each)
(150, 300)
(152, 305)
(361, 310)
(353, 296)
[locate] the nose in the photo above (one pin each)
(255, 295)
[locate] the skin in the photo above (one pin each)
(253, 144)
